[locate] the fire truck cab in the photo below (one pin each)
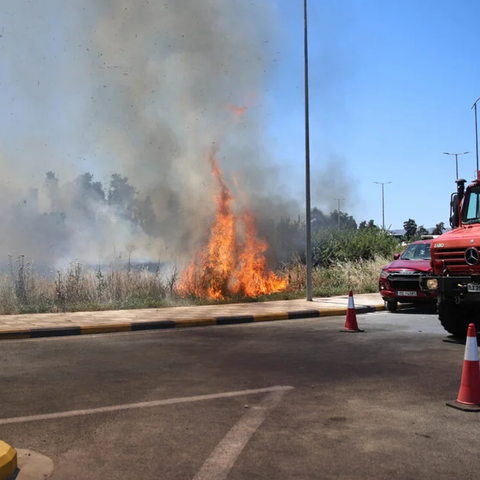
(455, 261)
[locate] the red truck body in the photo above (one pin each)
(456, 263)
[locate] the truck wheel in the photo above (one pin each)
(391, 305)
(453, 318)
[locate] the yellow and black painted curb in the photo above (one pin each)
(8, 461)
(180, 323)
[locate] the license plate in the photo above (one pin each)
(473, 287)
(408, 294)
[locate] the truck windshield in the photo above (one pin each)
(471, 207)
(419, 251)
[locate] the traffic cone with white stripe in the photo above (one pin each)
(351, 320)
(469, 394)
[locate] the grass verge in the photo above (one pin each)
(78, 288)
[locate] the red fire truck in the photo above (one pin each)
(455, 261)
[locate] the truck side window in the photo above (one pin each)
(473, 202)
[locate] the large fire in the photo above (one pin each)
(233, 261)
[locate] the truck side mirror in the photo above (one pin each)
(396, 256)
(454, 220)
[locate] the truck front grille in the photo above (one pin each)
(454, 259)
(404, 282)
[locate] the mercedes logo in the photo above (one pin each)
(471, 256)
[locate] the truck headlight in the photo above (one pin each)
(432, 283)
(383, 274)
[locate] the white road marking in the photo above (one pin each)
(132, 406)
(222, 459)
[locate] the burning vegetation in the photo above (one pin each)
(233, 261)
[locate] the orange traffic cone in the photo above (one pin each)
(469, 394)
(351, 320)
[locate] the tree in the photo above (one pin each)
(342, 220)
(51, 178)
(410, 227)
(289, 239)
(439, 229)
(53, 189)
(144, 216)
(364, 225)
(121, 193)
(335, 219)
(87, 189)
(319, 219)
(87, 194)
(421, 230)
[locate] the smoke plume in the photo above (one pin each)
(334, 186)
(110, 111)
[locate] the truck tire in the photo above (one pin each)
(453, 318)
(391, 305)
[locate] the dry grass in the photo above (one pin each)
(338, 279)
(79, 288)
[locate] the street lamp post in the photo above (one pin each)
(308, 216)
(339, 200)
(474, 106)
(456, 160)
(383, 200)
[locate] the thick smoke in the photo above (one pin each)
(333, 186)
(133, 92)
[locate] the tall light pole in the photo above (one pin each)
(456, 160)
(383, 200)
(308, 216)
(474, 106)
(339, 200)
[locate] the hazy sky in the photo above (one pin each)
(143, 88)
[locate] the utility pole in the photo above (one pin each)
(456, 161)
(308, 216)
(474, 106)
(339, 200)
(383, 200)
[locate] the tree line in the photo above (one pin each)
(414, 232)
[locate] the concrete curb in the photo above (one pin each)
(8, 461)
(179, 323)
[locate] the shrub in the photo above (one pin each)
(348, 245)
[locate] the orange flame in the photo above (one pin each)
(239, 112)
(229, 264)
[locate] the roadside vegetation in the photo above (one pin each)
(345, 256)
(343, 259)
(80, 288)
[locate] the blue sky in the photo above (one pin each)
(391, 88)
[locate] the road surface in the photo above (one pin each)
(278, 400)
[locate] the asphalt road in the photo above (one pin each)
(363, 405)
